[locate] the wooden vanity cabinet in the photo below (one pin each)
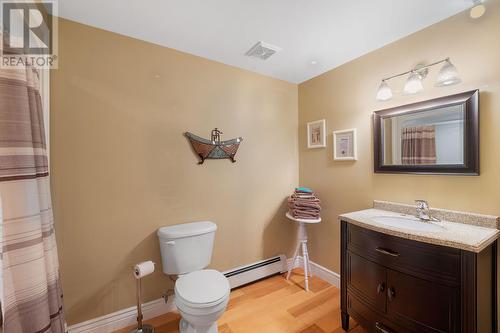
(395, 285)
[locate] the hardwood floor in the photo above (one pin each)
(275, 305)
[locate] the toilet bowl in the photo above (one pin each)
(201, 298)
(201, 295)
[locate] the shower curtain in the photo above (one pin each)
(419, 145)
(31, 295)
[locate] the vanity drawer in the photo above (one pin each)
(427, 261)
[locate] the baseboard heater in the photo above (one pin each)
(250, 273)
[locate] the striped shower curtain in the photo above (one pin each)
(31, 296)
(418, 145)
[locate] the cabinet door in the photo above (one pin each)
(421, 305)
(367, 281)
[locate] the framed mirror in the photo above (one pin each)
(439, 136)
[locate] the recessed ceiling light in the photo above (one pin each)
(314, 62)
(478, 10)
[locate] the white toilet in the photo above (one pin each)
(201, 295)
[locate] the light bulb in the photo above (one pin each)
(448, 75)
(414, 84)
(384, 92)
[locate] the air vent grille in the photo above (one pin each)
(262, 51)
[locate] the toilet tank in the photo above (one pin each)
(186, 247)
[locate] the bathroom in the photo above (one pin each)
(131, 80)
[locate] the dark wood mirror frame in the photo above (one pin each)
(471, 136)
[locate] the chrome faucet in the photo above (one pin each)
(424, 213)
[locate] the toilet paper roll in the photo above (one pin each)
(143, 269)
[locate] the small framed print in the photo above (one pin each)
(344, 145)
(316, 134)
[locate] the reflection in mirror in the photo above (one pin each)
(430, 137)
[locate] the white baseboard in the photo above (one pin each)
(126, 317)
(123, 318)
(322, 272)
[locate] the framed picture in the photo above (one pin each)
(344, 145)
(316, 134)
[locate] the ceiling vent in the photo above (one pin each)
(262, 51)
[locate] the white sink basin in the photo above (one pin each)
(407, 222)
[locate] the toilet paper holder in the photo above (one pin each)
(167, 294)
(141, 328)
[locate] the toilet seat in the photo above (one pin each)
(202, 289)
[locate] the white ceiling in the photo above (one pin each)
(329, 32)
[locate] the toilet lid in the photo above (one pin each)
(202, 288)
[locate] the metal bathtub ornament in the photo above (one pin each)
(214, 148)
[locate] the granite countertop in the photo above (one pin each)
(465, 236)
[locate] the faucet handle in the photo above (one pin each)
(422, 204)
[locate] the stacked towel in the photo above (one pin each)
(304, 204)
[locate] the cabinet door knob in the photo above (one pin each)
(380, 288)
(391, 293)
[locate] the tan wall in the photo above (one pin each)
(346, 98)
(121, 166)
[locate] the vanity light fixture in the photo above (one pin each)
(448, 75)
(478, 9)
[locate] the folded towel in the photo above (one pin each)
(305, 216)
(304, 204)
(304, 197)
(314, 200)
(303, 190)
(302, 209)
(312, 204)
(306, 210)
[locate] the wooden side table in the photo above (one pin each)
(302, 246)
